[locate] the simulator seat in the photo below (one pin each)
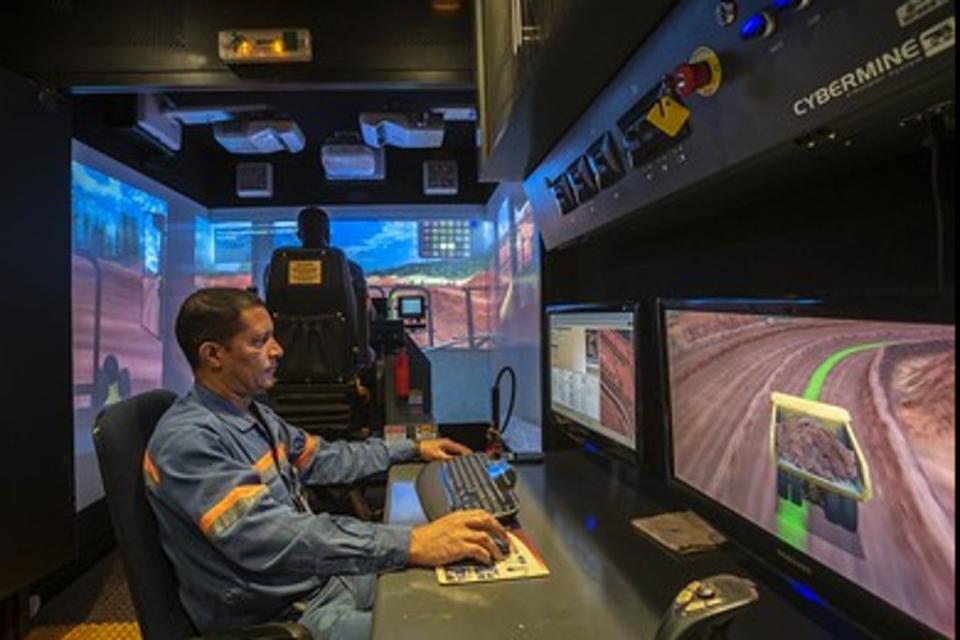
(318, 321)
(312, 299)
(120, 435)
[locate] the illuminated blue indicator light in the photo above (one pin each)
(591, 523)
(496, 469)
(589, 447)
(807, 593)
(754, 27)
(781, 5)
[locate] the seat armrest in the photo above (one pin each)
(268, 631)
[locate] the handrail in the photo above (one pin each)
(473, 339)
(97, 301)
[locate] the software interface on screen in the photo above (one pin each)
(837, 436)
(592, 372)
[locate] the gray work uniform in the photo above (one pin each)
(231, 518)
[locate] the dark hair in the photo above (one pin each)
(313, 227)
(211, 315)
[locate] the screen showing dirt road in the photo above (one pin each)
(837, 436)
(593, 374)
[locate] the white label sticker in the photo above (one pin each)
(939, 37)
(911, 11)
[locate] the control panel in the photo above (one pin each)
(723, 82)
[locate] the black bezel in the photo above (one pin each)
(408, 316)
(839, 592)
(581, 434)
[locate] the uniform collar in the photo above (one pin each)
(223, 408)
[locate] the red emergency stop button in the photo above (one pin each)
(691, 76)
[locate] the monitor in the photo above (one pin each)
(410, 307)
(823, 430)
(593, 373)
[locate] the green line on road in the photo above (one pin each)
(815, 386)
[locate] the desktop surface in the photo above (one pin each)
(606, 581)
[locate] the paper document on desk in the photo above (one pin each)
(523, 562)
(680, 531)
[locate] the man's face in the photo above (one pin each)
(248, 362)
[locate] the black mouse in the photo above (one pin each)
(503, 544)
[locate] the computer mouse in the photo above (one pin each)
(502, 544)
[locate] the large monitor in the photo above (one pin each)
(593, 373)
(824, 432)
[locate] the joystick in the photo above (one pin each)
(705, 606)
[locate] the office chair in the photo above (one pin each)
(120, 435)
(317, 321)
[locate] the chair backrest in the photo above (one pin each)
(364, 312)
(311, 296)
(120, 435)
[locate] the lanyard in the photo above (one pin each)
(299, 501)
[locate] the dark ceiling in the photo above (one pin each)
(378, 55)
(204, 171)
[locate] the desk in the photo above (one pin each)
(605, 582)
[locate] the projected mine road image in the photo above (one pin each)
(838, 436)
(617, 385)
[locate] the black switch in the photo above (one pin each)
(582, 181)
(604, 157)
(562, 194)
(642, 140)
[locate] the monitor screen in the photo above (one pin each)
(834, 435)
(411, 307)
(593, 372)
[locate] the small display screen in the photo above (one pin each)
(593, 372)
(411, 307)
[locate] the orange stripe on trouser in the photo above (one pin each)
(233, 506)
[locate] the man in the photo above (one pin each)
(313, 231)
(224, 476)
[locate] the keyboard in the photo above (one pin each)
(468, 482)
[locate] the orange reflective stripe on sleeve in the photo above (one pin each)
(308, 448)
(233, 506)
(264, 465)
(150, 469)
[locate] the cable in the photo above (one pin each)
(495, 396)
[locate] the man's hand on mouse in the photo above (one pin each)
(457, 536)
(441, 449)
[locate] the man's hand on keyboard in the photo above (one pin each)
(441, 449)
(457, 536)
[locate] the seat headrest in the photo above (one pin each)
(308, 281)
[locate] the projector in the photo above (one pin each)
(259, 136)
(352, 161)
(418, 131)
